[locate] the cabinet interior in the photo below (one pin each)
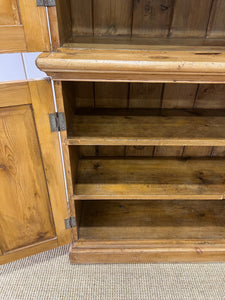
(141, 22)
(146, 158)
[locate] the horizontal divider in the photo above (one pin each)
(150, 179)
(148, 128)
(135, 65)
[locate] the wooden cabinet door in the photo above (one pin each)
(23, 26)
(33, 202)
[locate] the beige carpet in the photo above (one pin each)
(49, 275)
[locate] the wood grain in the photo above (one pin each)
(28, 250)
(43, 105)
(26, 216)
(9, 13)
(112, 17)
(152, 220)
(12, 38)
(148, 128)
(179, 95)
(111, 95)
(190, 18)
(146, 252)
(23, 26)
(210, 96)
(134, 65)
(14, 94)
(143, 95)
(34, 20)
(153, 178)
(70, 171)
(152, 18)
(81, 15)
(216, 27)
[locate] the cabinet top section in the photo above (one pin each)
(144, 19)
(133, 65)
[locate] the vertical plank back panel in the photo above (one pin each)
(84, 94)
(64, 20)
(112, 17)
(218, 152)
(110, 151)
(197, 151)
(190, 18)
(168, 151)
(151, 18)
(81, 12)
(111, 95)
(140, 151)
(179, 95)
(145, 95)
(216, 27)
(210, 96)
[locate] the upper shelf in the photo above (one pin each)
(134, 65)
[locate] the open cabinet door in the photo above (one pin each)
(33, 205)
(23, 26)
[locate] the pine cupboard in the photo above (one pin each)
(140, 100)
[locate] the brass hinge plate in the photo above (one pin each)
(46, 3)
(70, 222)
(57, 121)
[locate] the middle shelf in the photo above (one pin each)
(155, 127)
(150, 178)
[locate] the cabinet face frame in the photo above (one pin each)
(38, 95)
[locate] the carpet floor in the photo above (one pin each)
(49, 275)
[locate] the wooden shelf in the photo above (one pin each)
(150, 231)
(151, 178)
(154, 128)
(130, 65)
(152, 220)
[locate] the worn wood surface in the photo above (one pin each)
(134, 65)
(43, 105)
(14, 94)
(33, 198)
(23, 26)
(152, 220)
(70, 159)
(142, 18)
(26, 216)
(146, 252)
(167, 127)
(153, 178)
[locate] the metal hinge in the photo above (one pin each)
(45, 3)
(70, 222)
(57, 121)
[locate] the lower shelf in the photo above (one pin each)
(150, 231)
(154, 219)
(152, 178)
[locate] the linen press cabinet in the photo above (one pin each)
(140, 86)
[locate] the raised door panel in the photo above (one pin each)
(25, 212)
(23, 26)
(32, 191)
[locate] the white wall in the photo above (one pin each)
(19, 66)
